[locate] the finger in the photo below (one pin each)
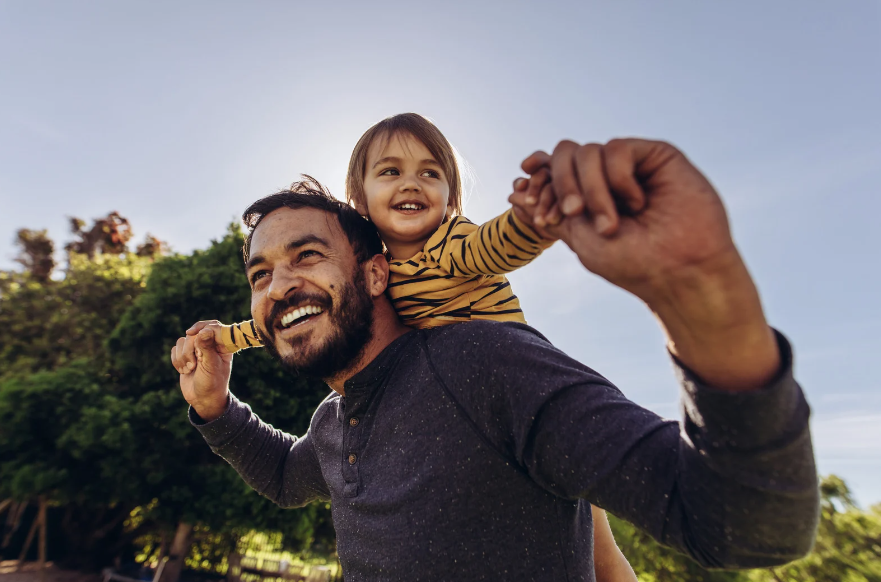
(520, 184)
(186, 361)
(525, 212)
(620, 168)
(535, 183)
(554, 215)
(595, 191)
(176, 359)
(197, 327)
(563, 176)
(547, 200)
(532, 164)
(205, 340)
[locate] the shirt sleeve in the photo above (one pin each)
(279, 466)
(240, 336)
(732, 485)
(499, 246)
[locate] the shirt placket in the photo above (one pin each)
(352, 446)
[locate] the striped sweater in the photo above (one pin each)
(458, 276)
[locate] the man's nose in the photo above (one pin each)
(284, 282)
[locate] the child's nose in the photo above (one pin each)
(410, 183)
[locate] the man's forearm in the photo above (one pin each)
(277, 465)
(715, 325)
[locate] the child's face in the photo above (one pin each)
(407, 193)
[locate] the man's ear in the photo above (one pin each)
(376, 275)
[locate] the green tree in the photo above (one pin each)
(48, 323)
(36, 252)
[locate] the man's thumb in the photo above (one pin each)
(205, 343)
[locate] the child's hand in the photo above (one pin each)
(185, 361)
(535, 203)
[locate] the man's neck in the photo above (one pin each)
(386, 329)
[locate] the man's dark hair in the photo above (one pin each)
(309, 193)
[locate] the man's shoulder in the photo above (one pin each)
(481, 343)
(486, 333)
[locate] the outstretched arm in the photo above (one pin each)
(738, 479)
(498, 246)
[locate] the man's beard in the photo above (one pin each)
(351, 321)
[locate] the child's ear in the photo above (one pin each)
(361, 208)
(449, 213)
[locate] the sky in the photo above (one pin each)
(179, 114)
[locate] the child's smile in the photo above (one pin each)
(407, 193)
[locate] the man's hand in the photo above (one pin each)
(640, 215)
(204, 367)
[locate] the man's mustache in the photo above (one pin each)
(297, 299)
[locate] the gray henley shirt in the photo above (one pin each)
(471, 452)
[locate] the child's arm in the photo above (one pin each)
(609, 563)
(239, 336)
(229, 339)
(499, 246)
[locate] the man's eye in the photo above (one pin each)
(257, 276)
(310, 253)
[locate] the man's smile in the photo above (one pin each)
(297, 318)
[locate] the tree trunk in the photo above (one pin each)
(180, 547)
(13, 520)
(41, 553)
(27, 542)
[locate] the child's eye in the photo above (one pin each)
(431, 173)
(389, 172)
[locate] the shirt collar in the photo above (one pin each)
(376, 371)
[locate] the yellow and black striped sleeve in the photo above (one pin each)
(499, 246)
(240, 336)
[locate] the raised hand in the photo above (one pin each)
(640, 215)
(204, 367)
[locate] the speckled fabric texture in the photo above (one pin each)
(471, 451)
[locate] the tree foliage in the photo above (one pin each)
(36, 252)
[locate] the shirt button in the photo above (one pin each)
(352, 459)
(353, 421)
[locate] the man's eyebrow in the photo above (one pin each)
(291, 246)
(430, 161)
(306, 240)
(253, 262)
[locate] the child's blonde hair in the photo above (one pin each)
(420, 128)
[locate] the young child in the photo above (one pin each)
(444, 269)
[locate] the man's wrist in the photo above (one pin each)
(212, 409)
(715, 325)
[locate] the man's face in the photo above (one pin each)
(308, 294)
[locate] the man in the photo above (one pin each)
(470, 452)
